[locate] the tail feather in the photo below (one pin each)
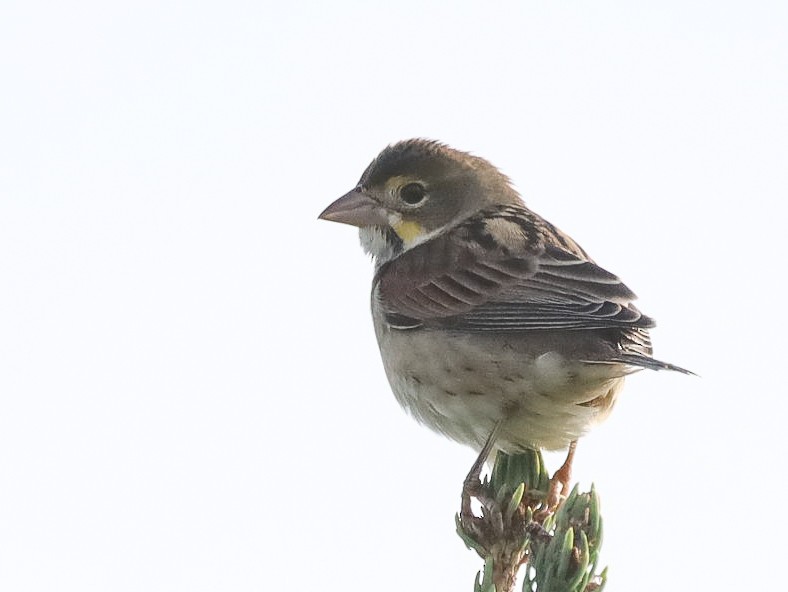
(651, 363)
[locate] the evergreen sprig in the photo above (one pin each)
(559, 548)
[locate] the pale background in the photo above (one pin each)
(190, 393)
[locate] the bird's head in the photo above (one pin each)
(415, 190)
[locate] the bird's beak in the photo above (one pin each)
(357, 209)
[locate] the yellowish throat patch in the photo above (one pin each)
(408, 231)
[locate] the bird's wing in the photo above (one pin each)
(505, 270)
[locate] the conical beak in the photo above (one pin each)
(357, 209)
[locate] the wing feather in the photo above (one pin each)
(505, 270)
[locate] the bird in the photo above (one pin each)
(495, 328)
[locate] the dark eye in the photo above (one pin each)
(413, 193)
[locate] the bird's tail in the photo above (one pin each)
(651, 363)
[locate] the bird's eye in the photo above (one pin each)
(413, 193)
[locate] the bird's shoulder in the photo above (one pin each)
(491, 250)
(511, 230)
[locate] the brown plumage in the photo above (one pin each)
(486, 314)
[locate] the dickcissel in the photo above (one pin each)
(496, 329)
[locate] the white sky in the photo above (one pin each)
(190, 393)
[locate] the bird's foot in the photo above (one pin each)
(558, 490)
(560, 485)
(473, 487)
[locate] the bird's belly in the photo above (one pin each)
(462, 384)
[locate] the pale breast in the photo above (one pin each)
(462, 384)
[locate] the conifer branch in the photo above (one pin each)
(557, 550)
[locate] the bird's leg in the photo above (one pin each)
(472, 486)
(559, 484)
